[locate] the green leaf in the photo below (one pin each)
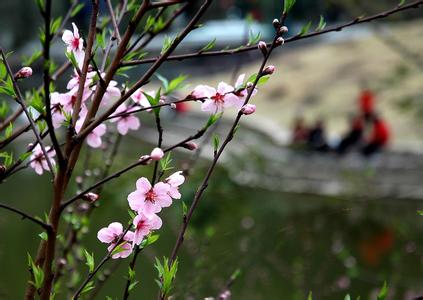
(310, 295)
(72, 59)
(119, 248)
(152, 238)
(420, 212)
(131, 274)
(9, 130)
(4, 109)
(253, 38)
(37, 273)
(166, 274)
(24, 156)
(43, 235)
(213, 119)
(166, 44)
(26, 61)
(288, 5)
(383, 292)
(176, 83)
(401, 3)
(216, 142)
(347, 297)
(89, 260)
(88, 287)
(77, 9)
(55, 24)
(322, 24)
(164, 81)
(209, 46)
(263, 80)
(165, 163)
(304, 30)
(132, 285)
(184, 208)
(8, 158)
(3, 71)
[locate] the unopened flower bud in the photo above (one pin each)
(248, 109)
(156, 154)
(161, 102)
(263, 47)
(226, 295)
(269, 70)
(61, 262)
(79, 179)
(276, 23)
(250, 84)
(173, 106)
(83, 207)
(2, 169)
(145, 159)
(280, 41)
(25, 72)
(283, 30)
(91, 197)
(190, 146)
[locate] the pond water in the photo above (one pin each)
(284, 245)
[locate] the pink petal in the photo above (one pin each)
(136, 200)
(143, 185)
(161, 188)
(224, 88)
(67, 36)
(210, 106)
(122, 127)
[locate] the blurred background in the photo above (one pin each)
(290, 215)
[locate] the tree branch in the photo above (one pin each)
(24, 215)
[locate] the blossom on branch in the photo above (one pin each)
(38, 160)
(111, 235)
(72, 39)
(147, 199)
(94, 137)
(156, 154)
(125, 122)
(175, 180)
(215, 99)
(144, 225)
(139, 98)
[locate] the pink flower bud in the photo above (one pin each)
(161, 102)
(145, 159)
(250, 84)
(173, 106)
(280, 41)
(283, 30)
(25, 72)
(190, 146)
(2, 169)
(269, 70)
(248, 109)
(156, 154)
(276, 23)
(263, 47)
(91, 197)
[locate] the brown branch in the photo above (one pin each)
(24, 215)
(117, 174)
(359, 20)
(21, 102)
(143, 80)
(11, 118)
(166, 3)
(115, 25)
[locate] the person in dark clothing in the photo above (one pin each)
(299, 132)
(366, 103)
(317, 138)
(379, 137)
(353, 137)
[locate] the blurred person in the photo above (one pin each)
(317, 137)
(354, 135)
(299, 132)
(379, 136)
(366, 102)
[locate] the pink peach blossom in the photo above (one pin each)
(24, 72)
(147, 199)
(112, 234)
(241, 92)
(72, 39)
(38, 161)
(125, 122)
(144, 225)
(157, 154)
(112, 92)
(74, 81)
(139, 98)
(215, 99)
(94, 137)
(175, 180)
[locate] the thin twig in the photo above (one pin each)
(359, 20)
(24, 215)
(115, 25)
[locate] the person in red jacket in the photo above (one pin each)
(379, 137)
(367, 103)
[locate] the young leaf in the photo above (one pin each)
(304, 30)
(288, 4)
(253, 38)
(184, 208)
(88, 287)
(176, 83)
(132, 285)
(9, 130)
(383, 292)
(310, 295)
(216, 142)
(43, 235)
(76, 10)
(347, 297)
(420, 212)
(89, 260)
(213, 119)
(401, 3)
(164, 81)
(322, 24)
(209, 46)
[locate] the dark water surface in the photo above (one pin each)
(285, 245)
